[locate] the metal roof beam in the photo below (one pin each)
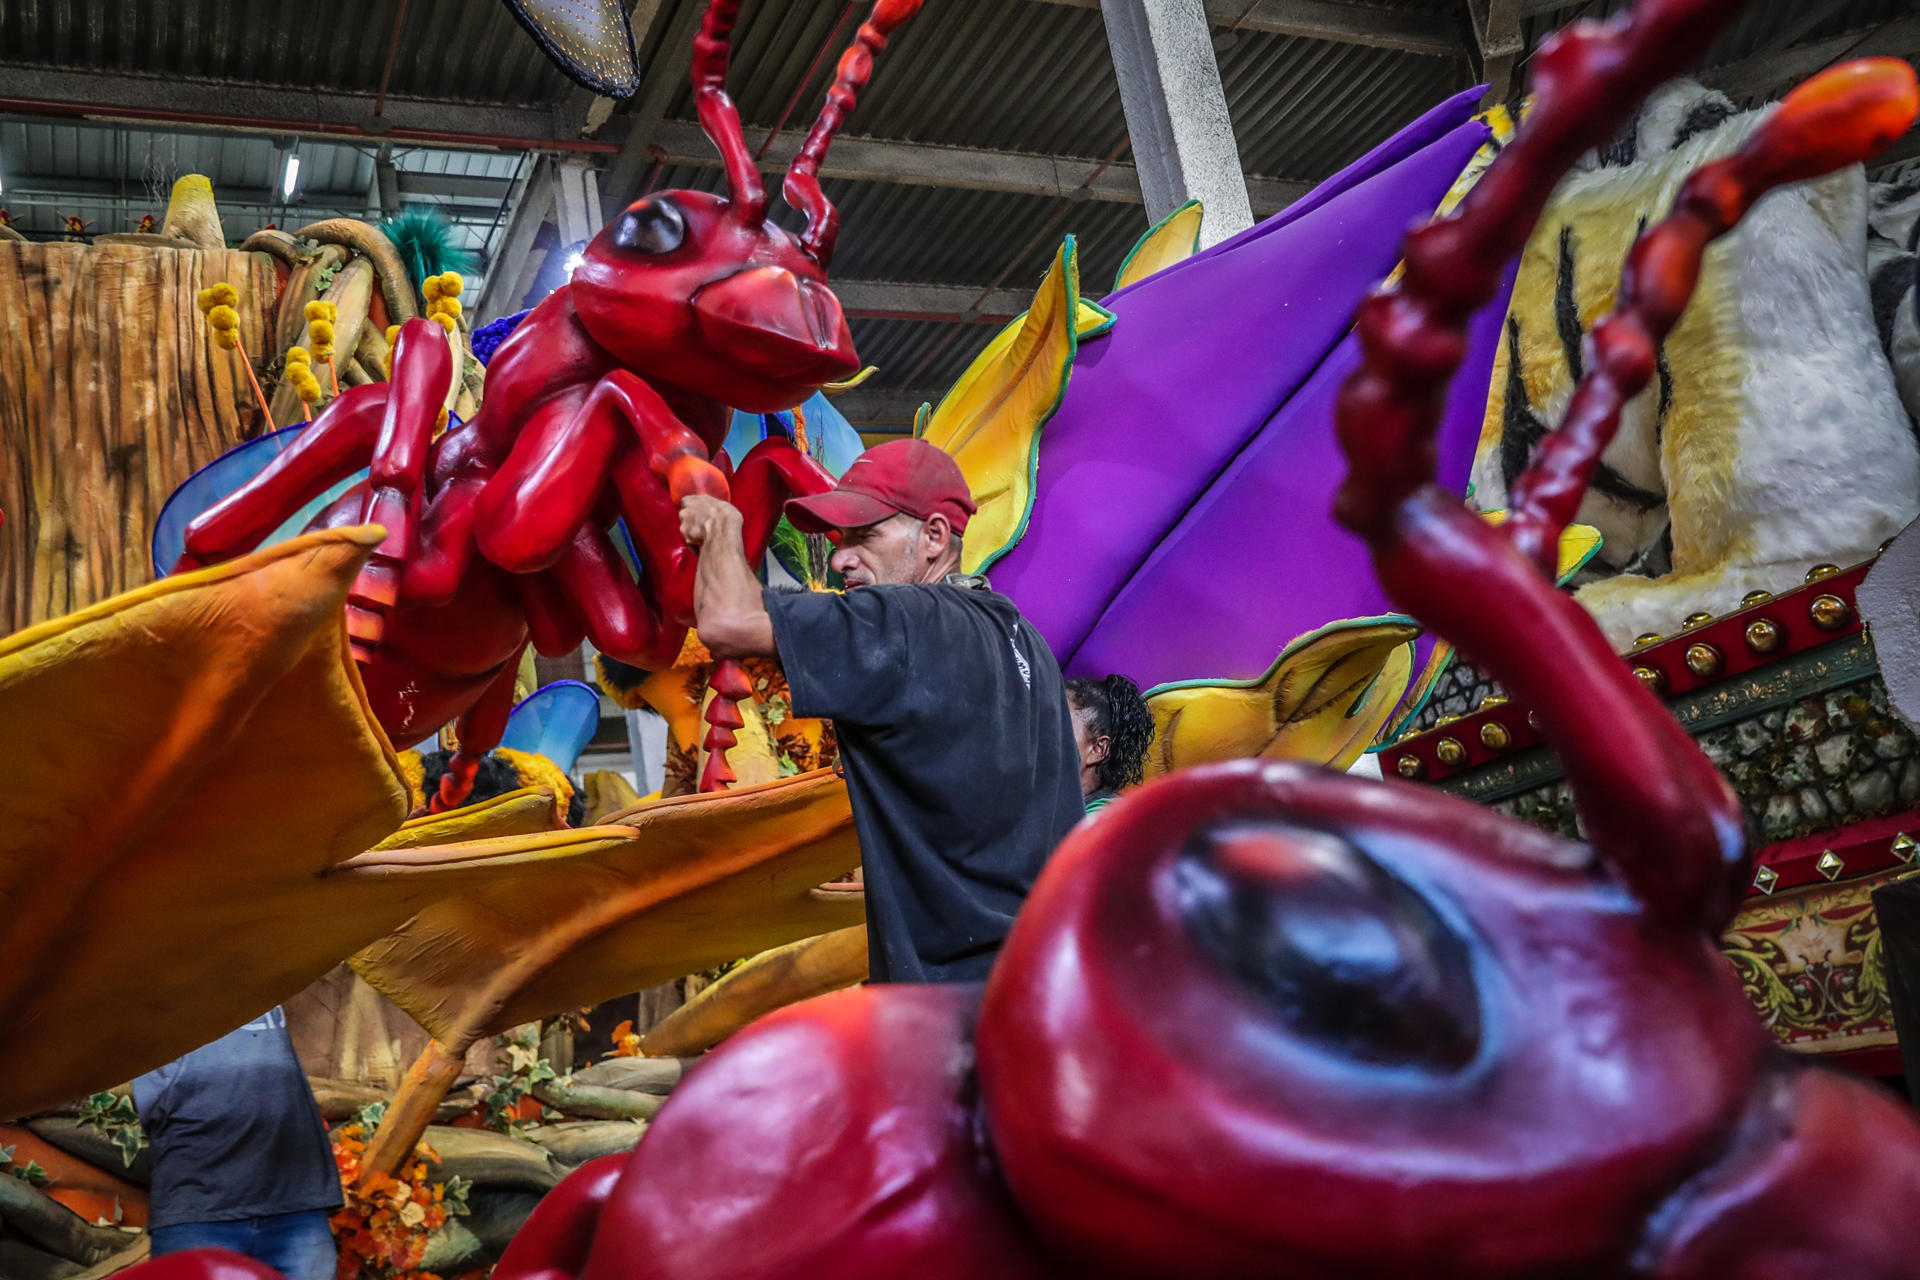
(681, 142)
(1328, 20)
(519, 260)
(883, 407)
(273, 109)
(1769, 72)
(953, 303)
(1496, 30)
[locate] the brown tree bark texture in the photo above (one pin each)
(111, 394)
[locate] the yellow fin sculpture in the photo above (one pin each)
(771, 980)
(1323, 700)
(702, 880)
(1173, 239)
(185, 762)
(990, 420)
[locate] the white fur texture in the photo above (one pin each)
(1825, 466)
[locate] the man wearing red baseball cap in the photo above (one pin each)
(954, 728)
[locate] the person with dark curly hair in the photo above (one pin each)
(1112, 729)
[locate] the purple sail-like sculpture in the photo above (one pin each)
(1180, 529)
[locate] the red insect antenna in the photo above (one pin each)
(856, 68)
(718, 116)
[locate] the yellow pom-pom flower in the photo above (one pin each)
(447, 306)
(207, 301)
(224, 295)
(315, 310)
(451, 285)
(224, 317)
(306, 385)
(298, 355)
(430, 288)
(393, 334)
(321, 331)
(226, 338)
(447, 322)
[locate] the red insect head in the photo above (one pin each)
(702, 292)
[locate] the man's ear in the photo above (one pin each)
(938, 531)
(1099, 748)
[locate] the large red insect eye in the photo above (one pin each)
(651, 226)
(1340, 951)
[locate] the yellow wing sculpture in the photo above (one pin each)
(1323, 700)
(186, 764)
(1173, 239)
(990, 421)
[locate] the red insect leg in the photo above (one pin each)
(554, 477)
(553, 625)
(338, 443)
(422, 373)
(773, 471)
(480, 729)
(619, 619)
(1654, 807)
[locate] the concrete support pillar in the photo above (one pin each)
(386, 181)
(1176, 111)
(518, 259)
(577, 201)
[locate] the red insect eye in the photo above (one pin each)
(651, 226)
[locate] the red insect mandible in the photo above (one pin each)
(610, 400)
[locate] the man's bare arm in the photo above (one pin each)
(728, 609)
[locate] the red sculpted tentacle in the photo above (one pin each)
(422, 374)
(856, 68)
(773, 471)
(718, 116)
(334, 446)
(480, 730)
(558, 469)
(1653, 806)
(619, 619)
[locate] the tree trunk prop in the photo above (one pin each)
(111, 394)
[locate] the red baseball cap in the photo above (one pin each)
(900, 477)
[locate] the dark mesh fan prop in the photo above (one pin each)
(590, 40)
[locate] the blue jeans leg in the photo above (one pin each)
(298, 1245)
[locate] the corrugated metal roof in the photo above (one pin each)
(448, 49)
(1016, 75)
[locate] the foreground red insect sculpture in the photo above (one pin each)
(610, 400)
(1264, 1021)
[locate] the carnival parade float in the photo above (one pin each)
(1583, 528)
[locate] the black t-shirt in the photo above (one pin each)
(235, 1132)
(958, 750)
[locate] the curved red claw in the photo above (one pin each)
(554, 1243)
(202, 1264)
(833, 1139)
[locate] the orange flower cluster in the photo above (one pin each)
(626, 1041)
(382, 1231)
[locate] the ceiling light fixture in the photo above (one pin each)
(289, 177)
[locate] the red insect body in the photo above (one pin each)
(611, 399)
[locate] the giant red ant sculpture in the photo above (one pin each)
(611, 399)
